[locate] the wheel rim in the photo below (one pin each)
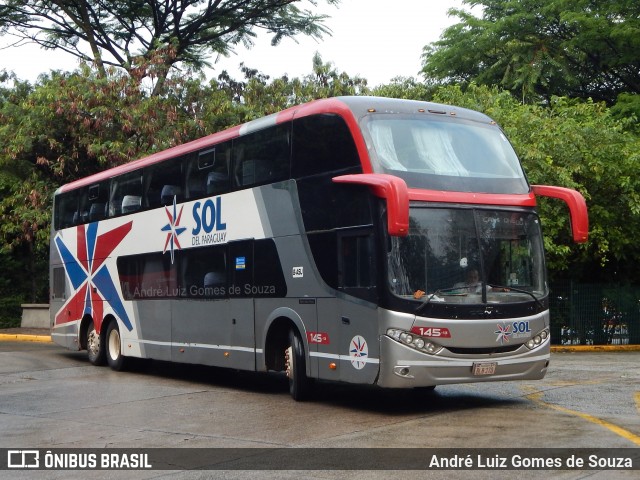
(93, 342)
(288, 361)
(114, 344)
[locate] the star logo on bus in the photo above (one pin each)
(359, 352)
(503, 332)
(90, 278)
(173, 229)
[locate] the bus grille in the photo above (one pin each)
(483, 351)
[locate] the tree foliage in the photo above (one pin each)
(541, 48)
(148, 38)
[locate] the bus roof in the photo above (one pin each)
(350, 108)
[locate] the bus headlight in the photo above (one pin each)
(414, 341)
(538, 339)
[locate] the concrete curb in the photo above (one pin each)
(595, 348)
(18, 337)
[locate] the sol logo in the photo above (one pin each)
(359, 352)
(208, 216)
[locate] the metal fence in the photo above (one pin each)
(594, 314)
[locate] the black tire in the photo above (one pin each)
(95, 348)
(113, 347)
(296, 368)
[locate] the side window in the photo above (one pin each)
(97, 200)
(346, 261)
(163, 182)
(340, 206)
(126, 194)
(268, 279)
(92, 203)
(208, 172)
(322, 149)
(356, 264)
(66, 210)
(262, 157)
(58, 283)
(322, 143)
(324, 248)
(148, 276)
(82, 215)
(203, 272)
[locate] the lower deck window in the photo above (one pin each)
(239, 269)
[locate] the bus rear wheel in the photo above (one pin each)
(295, 364)
(95, 348)
(115, 359)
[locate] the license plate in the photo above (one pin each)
(484, 368)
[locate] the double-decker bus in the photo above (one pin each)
(356, 239)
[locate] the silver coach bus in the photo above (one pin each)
(355, 239)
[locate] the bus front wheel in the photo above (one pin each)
(295, 365)
(115, 359)
(95, 348)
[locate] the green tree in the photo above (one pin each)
(541, 48)
(24, 206)
(405, 87)
(148, 38)
(259, 95)
(627, 108)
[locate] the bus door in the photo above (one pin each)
(241, 292)
(201, 311)
(350, 319)
(214, 325)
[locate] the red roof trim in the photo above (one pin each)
(513, 200)
(331, 105)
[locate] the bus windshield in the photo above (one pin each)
(468, 256)
(443, 153)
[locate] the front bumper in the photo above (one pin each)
(403, 367)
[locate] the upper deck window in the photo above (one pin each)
(444, 153)
(322, 144)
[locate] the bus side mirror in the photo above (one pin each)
(394, 190)
(577, 208)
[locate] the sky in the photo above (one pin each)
(374, 39)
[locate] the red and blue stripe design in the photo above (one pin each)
(89, 275)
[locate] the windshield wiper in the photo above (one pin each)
(452, 291)
(519, 290)
(440, 291)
